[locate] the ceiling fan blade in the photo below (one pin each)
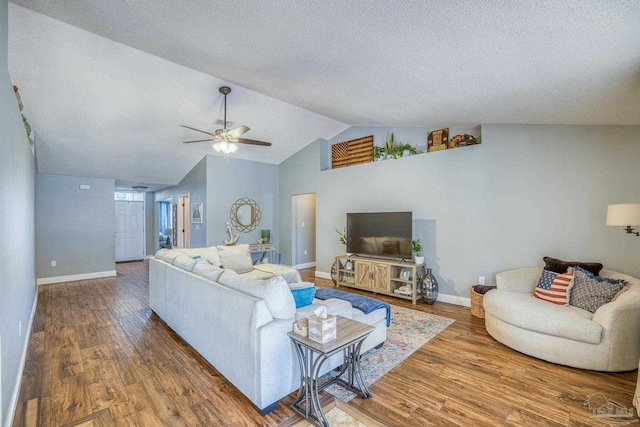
(253, 142)
(200, 140)
(234, 133)
(189, 127)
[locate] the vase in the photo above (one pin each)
(419, 260)
(429, 288)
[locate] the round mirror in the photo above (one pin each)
(245, 214)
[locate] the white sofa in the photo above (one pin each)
(607, 340)
(242, 335)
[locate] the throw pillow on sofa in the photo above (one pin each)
(554, 287)
(275, 293)
(303, 293)
(237, 258)
(559, 266)
(590, 292)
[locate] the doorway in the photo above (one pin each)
(303, 233)
(129, 230)
(182, 236)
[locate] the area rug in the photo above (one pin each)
(409, 330)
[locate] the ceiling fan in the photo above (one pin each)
(224, 139)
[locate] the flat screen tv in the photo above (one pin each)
(380, 234)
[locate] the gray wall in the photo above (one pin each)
(228, 181)
(195, 185)
(149, 224)
(17, 246)
(299, 174)
(304, 223)
(525, 192)
(74, 227)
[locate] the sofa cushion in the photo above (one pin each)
(237, 258)
(184, 262)
(370, 318)
(590, 292)
(559, 266)
(554, 287)
(524, 311)
(290, 274)
(275, 293)
(209, 254)
(167, 255)
(208, 271)
(303, 293)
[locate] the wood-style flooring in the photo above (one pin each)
(95, 344)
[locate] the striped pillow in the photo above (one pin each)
(554, 287)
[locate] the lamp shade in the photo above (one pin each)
(623, 214)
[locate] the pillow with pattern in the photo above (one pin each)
(590, 292)
(554, 287)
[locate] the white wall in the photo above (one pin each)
(525, 192)
(17, 246)
(304, 229)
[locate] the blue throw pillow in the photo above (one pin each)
(303, 296)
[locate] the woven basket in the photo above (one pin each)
(477, 309)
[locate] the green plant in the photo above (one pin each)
(343, 235)
(378, 152)
(400, 148)
(416, 246)
(389, 144)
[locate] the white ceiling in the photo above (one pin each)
(108, 101)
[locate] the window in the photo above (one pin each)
(126, 196)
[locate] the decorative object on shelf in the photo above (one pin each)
(416, 246)
(27, 126)
(429, 287)
(437, 140)
(343, 235)
(405, 274)
(348, 265)
(462, 140)
(266, 236)
(402, 149)
(232, 239)
(245, 214)
(624, 215)
(352, 152)
(378, 153)
(390, 145)
(197, 213)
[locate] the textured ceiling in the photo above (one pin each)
(388, 63)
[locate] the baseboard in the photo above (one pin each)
(323, 275)
(305, 265)
(75, 277)
(454, 299)
(23, 359)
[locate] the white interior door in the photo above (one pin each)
(129, 231)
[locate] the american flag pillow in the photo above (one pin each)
(554, 287)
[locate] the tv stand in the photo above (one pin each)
(397, 278)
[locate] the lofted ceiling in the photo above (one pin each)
(107, 84)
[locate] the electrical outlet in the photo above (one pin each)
(302, 224)
(481, 280)
(53, 263)
(305, 251)
(19, 328)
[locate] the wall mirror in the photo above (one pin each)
(245, 214)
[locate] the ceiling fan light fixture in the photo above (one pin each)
(224, 146)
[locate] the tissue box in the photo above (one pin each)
(322, 330)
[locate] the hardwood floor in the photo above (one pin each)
(95, 345)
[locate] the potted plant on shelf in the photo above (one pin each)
(417, 249)
(403, 149)
(378, 153)
(390, 146)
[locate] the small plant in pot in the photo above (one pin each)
(417, 249)
(378, 153)
(402, 148)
